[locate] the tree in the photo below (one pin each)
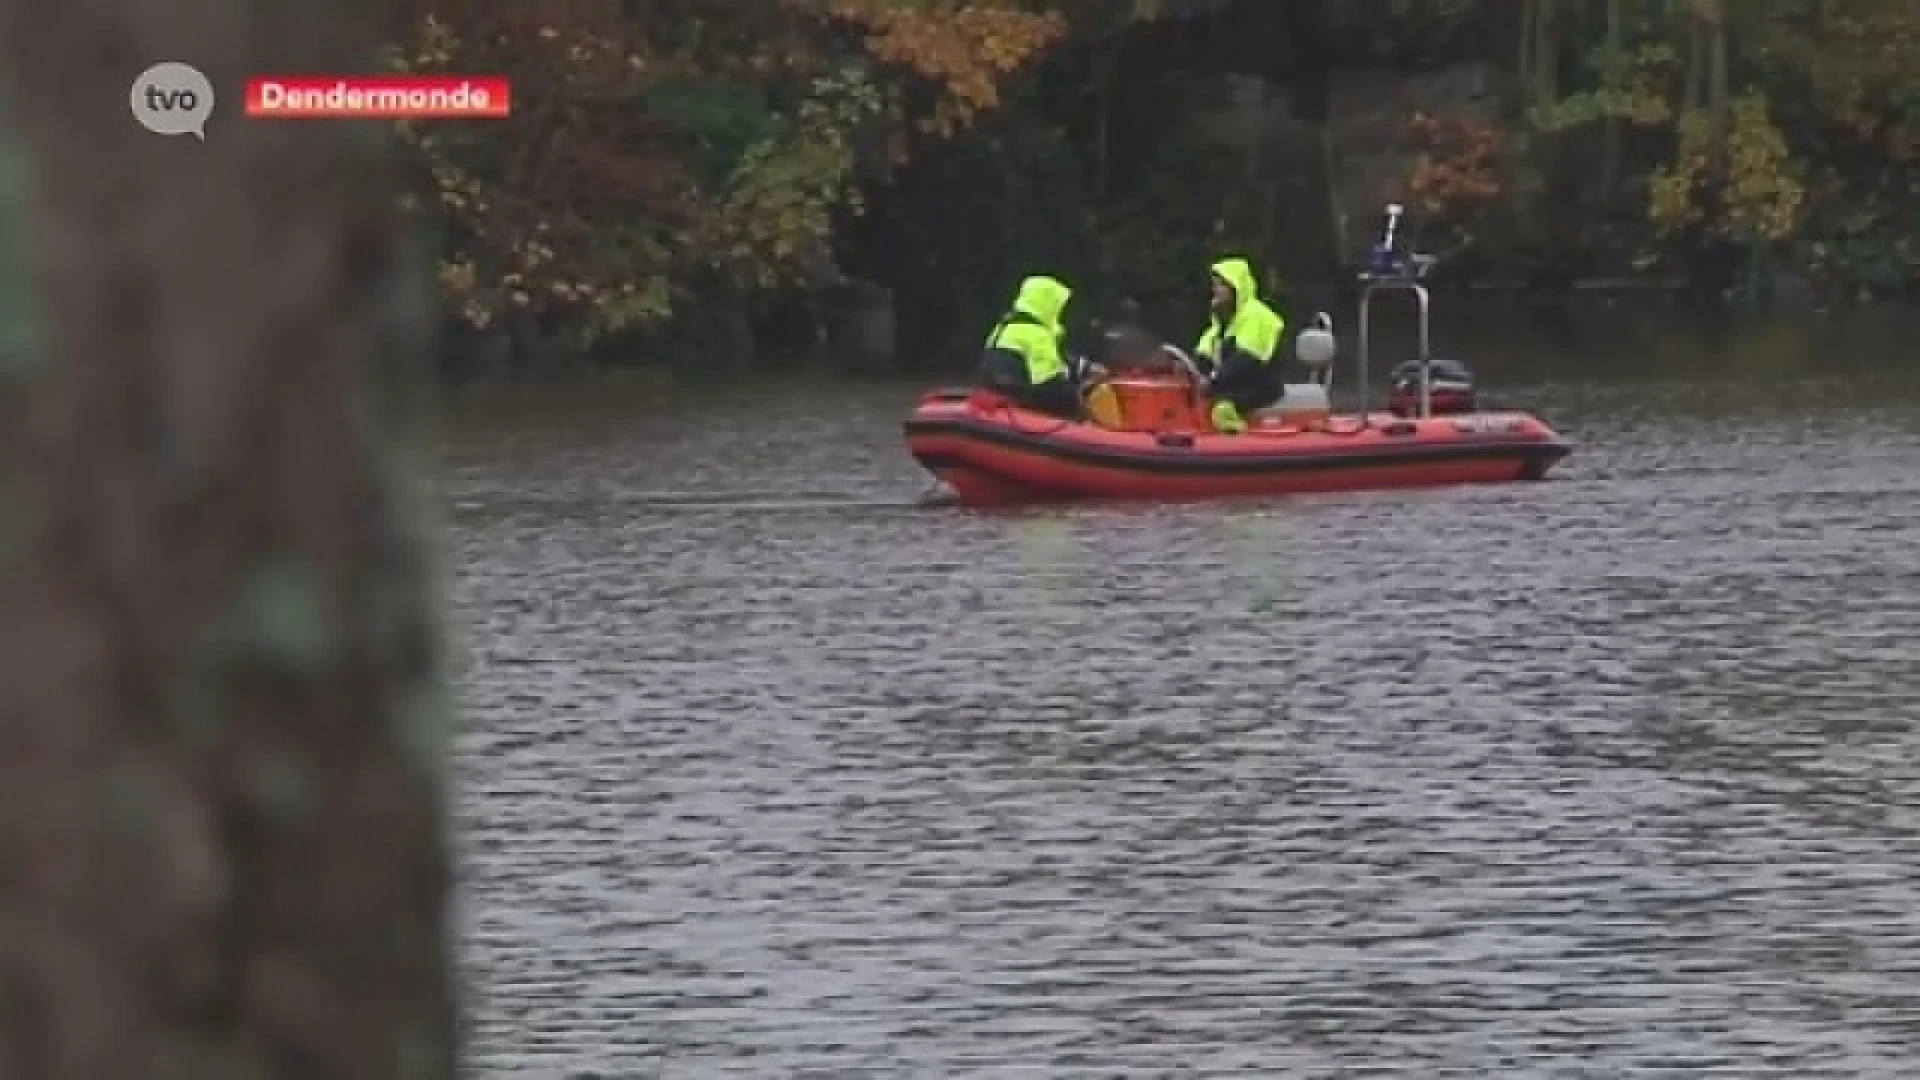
(661, 148)
(222, 848)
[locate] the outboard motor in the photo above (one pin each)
(1449, 383)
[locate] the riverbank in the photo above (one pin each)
(1630, 323)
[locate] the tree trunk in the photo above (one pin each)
(1716, 265)
(1610, 152)
(1107, 65)
(1339, 233)
(1718, 95)
(1546, 56)
(1523, 66)
(1695, 94)
(222, 846)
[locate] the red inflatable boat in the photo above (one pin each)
(1148, 437)
(991, 453)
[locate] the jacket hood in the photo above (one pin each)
(1238, 274)
(1044, 298)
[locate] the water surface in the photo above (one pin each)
(769, 773)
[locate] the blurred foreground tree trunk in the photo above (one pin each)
(222, 848)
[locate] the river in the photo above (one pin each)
(768, 772)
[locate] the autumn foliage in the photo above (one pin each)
(666, 150)
(1456, 162)
(661, 147)
(964, 51)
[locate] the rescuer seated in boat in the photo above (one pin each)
(1239, 350)
(1025, 356)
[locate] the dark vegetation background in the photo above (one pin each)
(703, 188)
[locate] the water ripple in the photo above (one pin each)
(1613, 776)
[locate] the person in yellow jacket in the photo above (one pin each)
(1240, 348)
(1025, 356)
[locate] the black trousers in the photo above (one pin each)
(1248, 383)
(1055, 397)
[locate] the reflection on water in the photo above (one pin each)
(1610, 776)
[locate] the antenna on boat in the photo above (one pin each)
(1390, 270)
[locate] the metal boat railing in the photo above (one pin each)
(1389, 270)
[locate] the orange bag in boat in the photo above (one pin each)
(1103, 406)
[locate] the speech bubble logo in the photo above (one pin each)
(172, 99)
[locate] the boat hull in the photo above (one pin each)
(999, 455)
